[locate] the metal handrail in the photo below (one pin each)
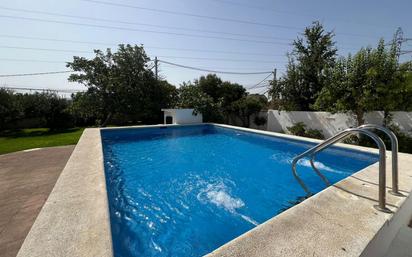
(394, 149)
(335, 139)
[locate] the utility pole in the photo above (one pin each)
(398, 41)
(274, 81)
(155, 64)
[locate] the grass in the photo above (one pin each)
(17, 140)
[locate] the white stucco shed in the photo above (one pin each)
(181, 116)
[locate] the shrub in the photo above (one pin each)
(10, 109)
(314, 133)
(260, 121)
(299, 129)
(19, 110)
(404, 140)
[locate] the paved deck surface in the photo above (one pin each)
(401, 245)
(26, 180)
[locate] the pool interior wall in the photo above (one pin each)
(185, 191)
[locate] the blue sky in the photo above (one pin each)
(355, 23)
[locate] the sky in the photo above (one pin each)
(225, 35)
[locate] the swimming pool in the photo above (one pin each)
(185, 191)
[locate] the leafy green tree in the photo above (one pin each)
(371, 80)
(192, 96)
(349, 89)
(211, 85)
(87, 109)
(393, 89)
(58, 115)
(210, 96)
(47, 107)
(286, 91)
(229, 93)
(222, 92)
(121, 84)
(298, 89)
(36, 105)
(42, 109)
(247, 106)
(9, 108)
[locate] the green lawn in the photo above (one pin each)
(12, 141)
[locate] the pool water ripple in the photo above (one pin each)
(186, 191)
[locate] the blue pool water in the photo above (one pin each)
(185, 191)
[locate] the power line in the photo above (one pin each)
(263, 92)
(141, 24)
(250, 69)
(214, 71)
(28, 60)
(193, 15)
(12, 87)
(263, 80)
(215, 59)
(142, 30)
(145, 46)
(56, 40)
(163, 56)
(34, 74)
(212, 51)
(69, 71)
(265, 8)
(214, 18)
(44, 49)
(160, 48)
(261, 86)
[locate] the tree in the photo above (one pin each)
(38, 109)
(192, 96)
(87, 109)
(210, 96)
(47, 108)
(211, 85)
(371, 80)
(222, 92)
(349, 89)
(286, 92)
(393, 92)
(247, 106)
(58, 116)
(305, 77)
(229, 93)
(121, 85)
(9, 108)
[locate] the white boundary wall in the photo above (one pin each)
(329, 123)
(183, 116)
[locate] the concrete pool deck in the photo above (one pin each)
(26, 180)
(339, 221)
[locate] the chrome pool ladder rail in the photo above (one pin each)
(394, 150)
(340, 136)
